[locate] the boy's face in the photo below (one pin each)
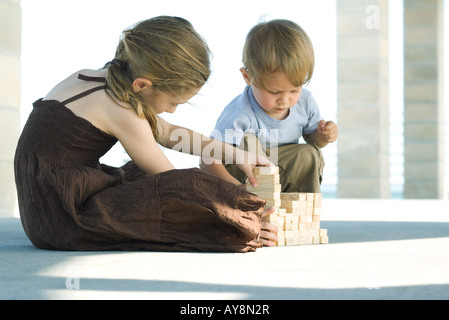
(278, 96)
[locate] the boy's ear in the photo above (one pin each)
(246, 76)
(141, 84)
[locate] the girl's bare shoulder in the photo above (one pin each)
(72, 85)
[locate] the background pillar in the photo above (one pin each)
(363, 99)
(423, 99)
(10, 48)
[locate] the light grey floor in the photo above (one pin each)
(379, 249)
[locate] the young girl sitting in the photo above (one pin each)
(69, 201)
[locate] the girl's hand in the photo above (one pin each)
(268, 231)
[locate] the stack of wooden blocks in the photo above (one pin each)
(297, 215)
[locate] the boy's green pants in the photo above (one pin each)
(300, 165)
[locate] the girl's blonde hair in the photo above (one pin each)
(279, 45)
(167, 51)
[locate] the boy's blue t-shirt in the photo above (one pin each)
(244, 115)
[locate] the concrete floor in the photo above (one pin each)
(379, 249)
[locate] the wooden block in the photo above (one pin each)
(268, 177)
(310, 199)
(309, 240)
(294, 220)
(302, 211)
(272, 202)
(291, 225)
(261, 171)
(293, 196)
(305, 219)
(288, 196)
(316, 218)
(264, 187)
(316, 211)
(290, 203)
(309, 211)
(311, 225)
(294, 201)
(305, 240)
(292, 207)
(317, 200)
(268, 195)
(266, 183)
(292, 211)
(291, 238)
(278, 221)
(281, 239)
(324, 239)
(323, 232)
(309, 204)
(288, 238)
(305, 233)
(316, 225)
(270, 218)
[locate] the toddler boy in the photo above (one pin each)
(275, 111)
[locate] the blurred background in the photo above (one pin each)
(379, 74)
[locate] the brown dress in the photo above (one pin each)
(69, 201)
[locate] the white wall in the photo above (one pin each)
(60, 37)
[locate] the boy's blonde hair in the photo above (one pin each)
(278, 45)
(167, 51)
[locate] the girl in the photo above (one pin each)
(69, 201)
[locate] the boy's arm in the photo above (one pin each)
(326, 132)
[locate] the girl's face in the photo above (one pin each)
(278, 96)
(163, 102)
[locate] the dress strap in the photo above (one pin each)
(87, 92)
(88, 78)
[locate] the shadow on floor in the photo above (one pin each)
(21, 263)
(247, 292)
(365, 231)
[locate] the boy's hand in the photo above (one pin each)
(252, 161)
(327, 131)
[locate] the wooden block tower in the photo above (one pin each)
(297, 215)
